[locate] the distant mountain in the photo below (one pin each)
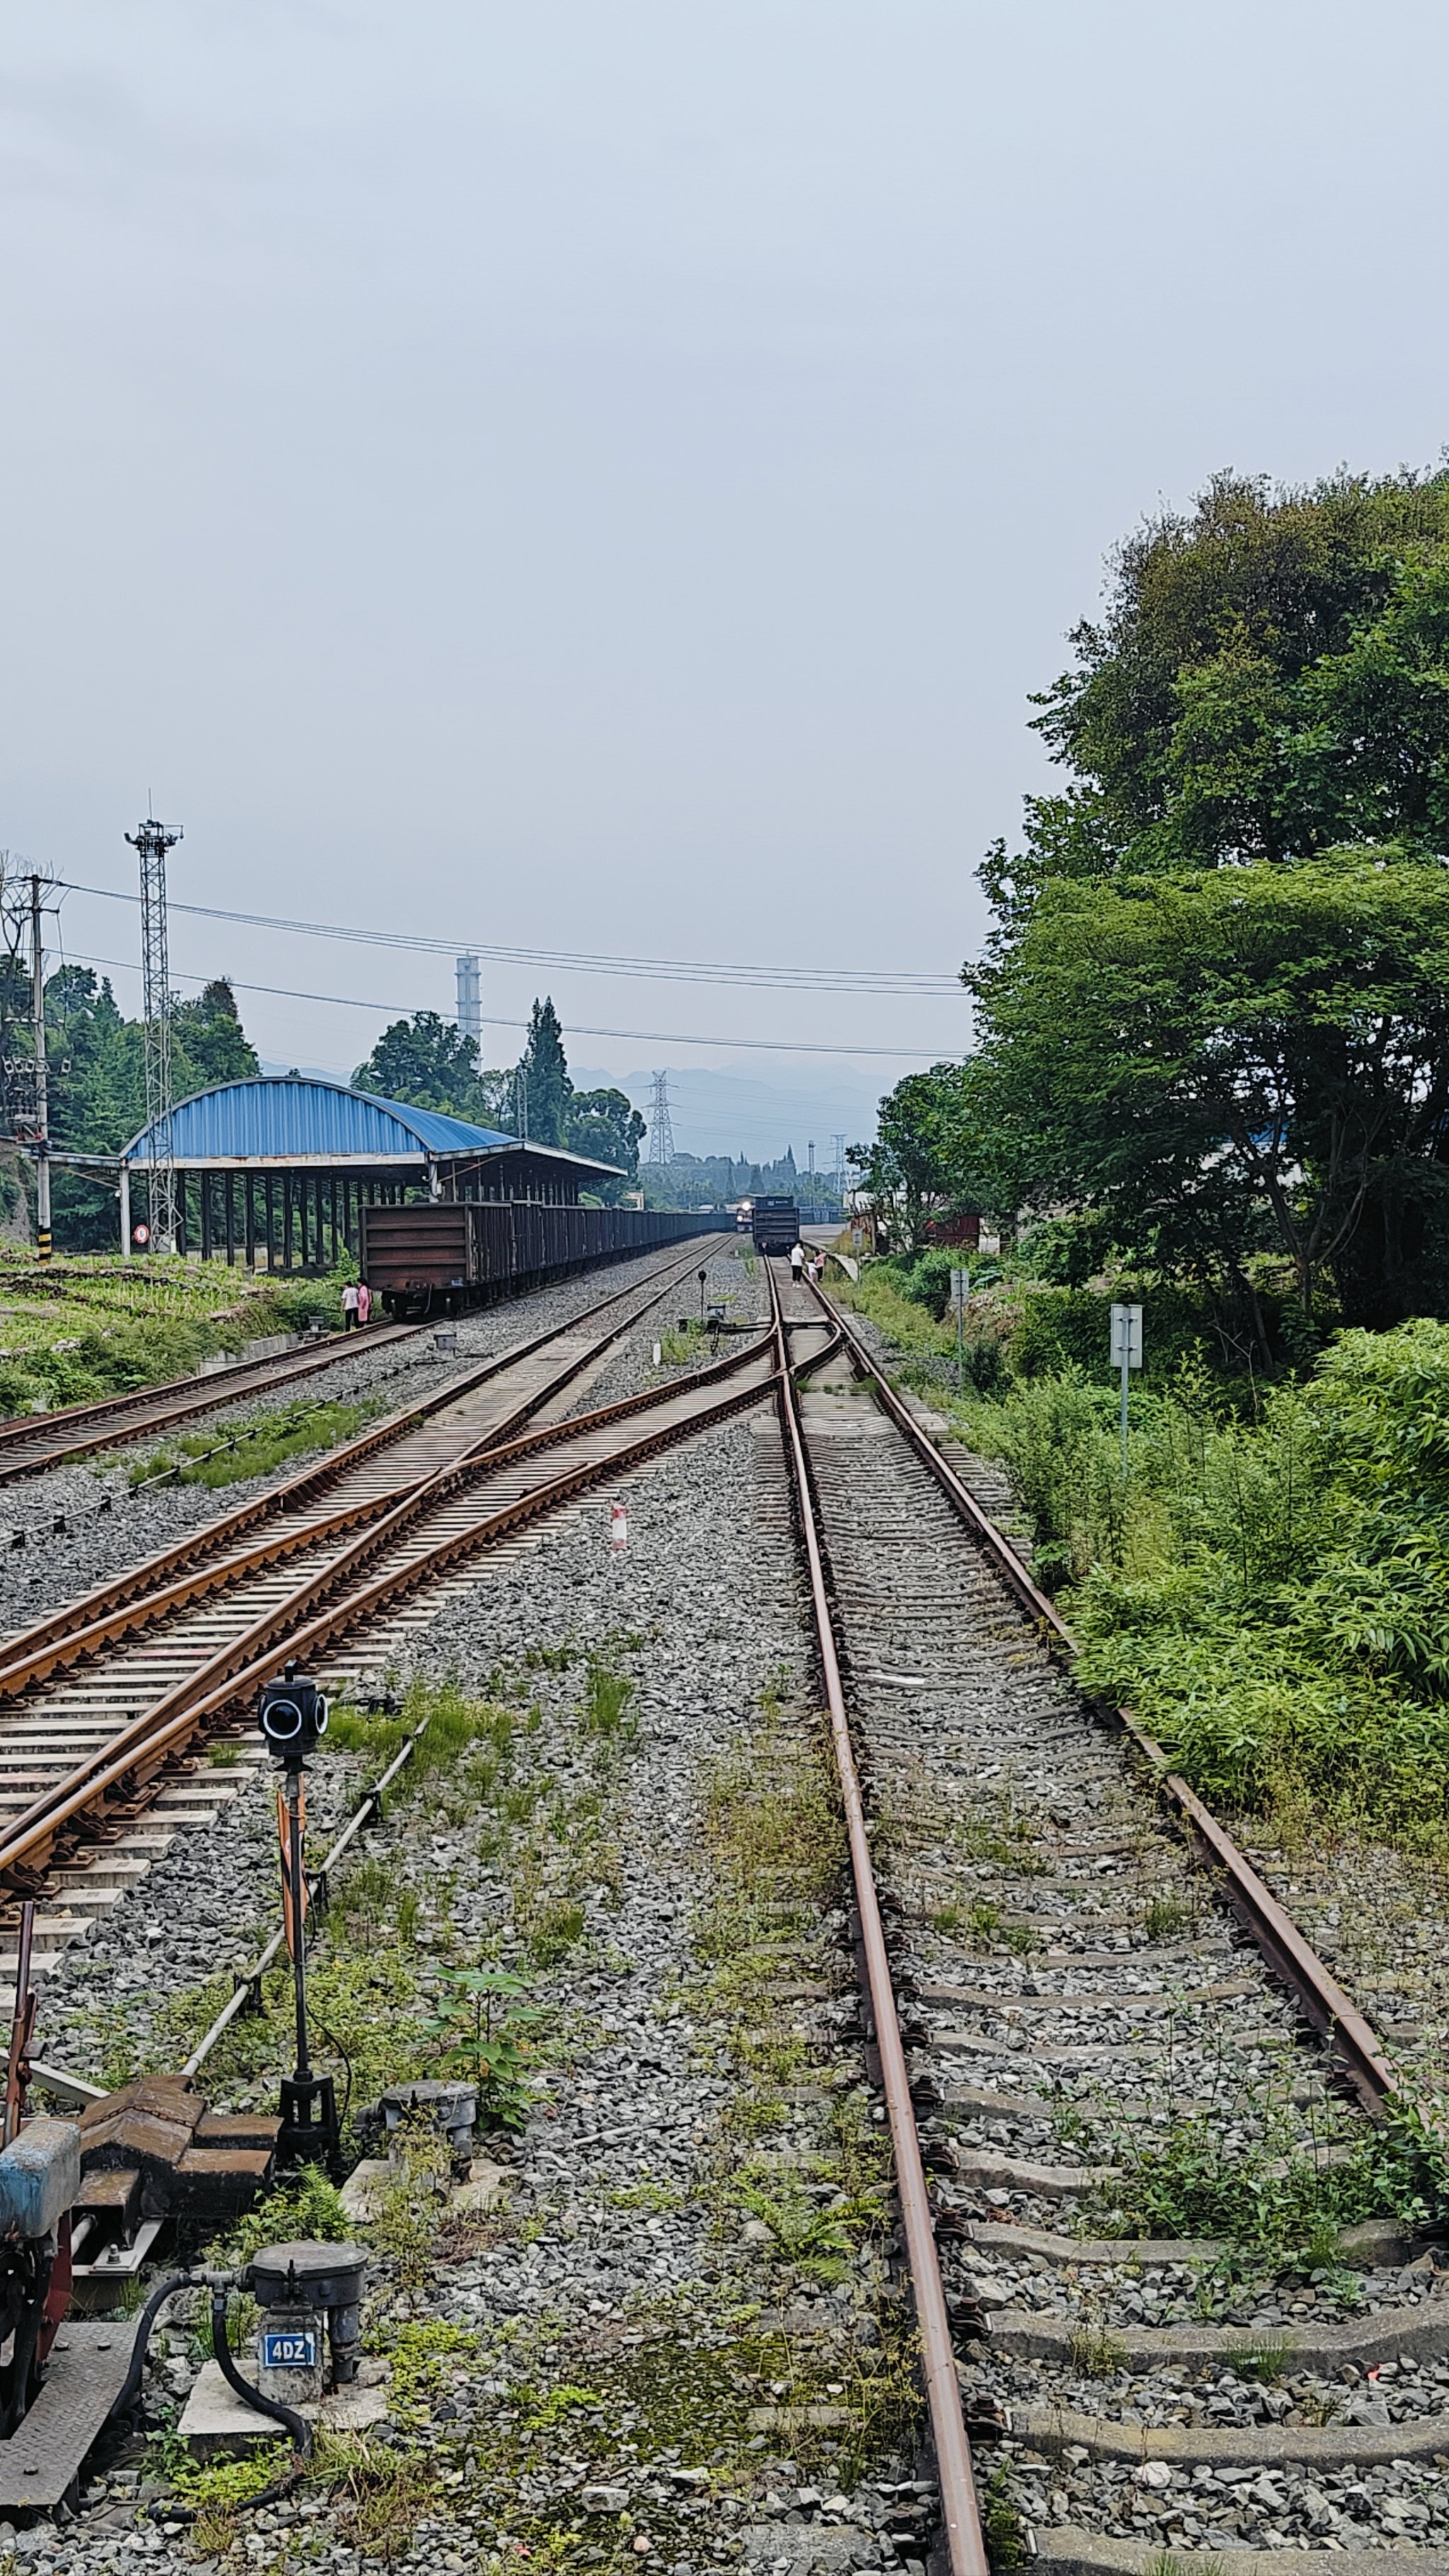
(753, 1115)
(758, 1115)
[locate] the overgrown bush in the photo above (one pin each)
(1270, 1597)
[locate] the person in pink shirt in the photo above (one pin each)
(364, 1302)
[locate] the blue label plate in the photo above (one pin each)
(289, 2352)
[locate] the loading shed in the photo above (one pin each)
(275, 1172)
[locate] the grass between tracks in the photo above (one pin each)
(88, 1327)
(253, 1446)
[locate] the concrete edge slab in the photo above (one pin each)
(1053, 2430)
(1420, 2334)
(1072, 2552)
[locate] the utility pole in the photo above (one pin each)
(661, 1126)
(42, 1096)
(151, 842)
(520, 1103)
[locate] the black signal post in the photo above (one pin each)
(292, 1714)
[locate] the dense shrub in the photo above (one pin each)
(1269, 1597)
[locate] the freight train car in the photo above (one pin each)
(775, 1224)
(437, 1258)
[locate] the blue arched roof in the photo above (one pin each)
(293, 1118)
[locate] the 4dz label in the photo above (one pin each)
(289, 2352)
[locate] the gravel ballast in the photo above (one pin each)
(108, 1527)
(626, 2261)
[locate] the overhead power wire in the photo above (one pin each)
(836, 979)
(576, 1028)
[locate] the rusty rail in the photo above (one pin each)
(1291, 1959)
(110, 1419)
(119, 1769)
(959, 2511)
(195, 1565)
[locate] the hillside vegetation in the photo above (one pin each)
(85, 1328)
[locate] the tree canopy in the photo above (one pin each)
(545, 1071)
(927, 1150)
(1270, 678)
(1215, 1005)
(1239, 1060)
(427, 1060)
(605, 1125)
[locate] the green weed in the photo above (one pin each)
(1001, 2524)
(1165, 1916)
(253, 1446)
(1097, 2354)
(484, 2032)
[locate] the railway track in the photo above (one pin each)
(100, 1703)
(1149, 2218)
(32, 1442)
(1153, 2270)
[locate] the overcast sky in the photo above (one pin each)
(604, 475)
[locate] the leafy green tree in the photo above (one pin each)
(1223, 1061)
(208, 1041)
(606, 1125)
(544, 1067)
(97, 1083)
(428, 1062)
(1270, 678)
(926, 1156)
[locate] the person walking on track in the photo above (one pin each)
(797, 1259)
(364, 1302)
(350, 1296)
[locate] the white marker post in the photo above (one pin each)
(1126, 1355)
(960, 1291)
(618, 1528)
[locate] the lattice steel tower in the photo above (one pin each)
(661, 1129)
(151, 843)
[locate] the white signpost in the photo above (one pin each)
(1126, 1355)
(960, 1291)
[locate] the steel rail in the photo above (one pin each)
(174, 1400)
(1292, 1960)
(959, 2510)
(159, 1734)
(174, 1576)
(132, 1741)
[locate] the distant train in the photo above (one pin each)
(439, 1258)
(774, 1224)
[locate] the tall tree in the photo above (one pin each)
(1270, 678)
(544, 1067)
(926, 1151)
(209, 1042)
(606, 1125)
(1235, 1060)
(427, 1061)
